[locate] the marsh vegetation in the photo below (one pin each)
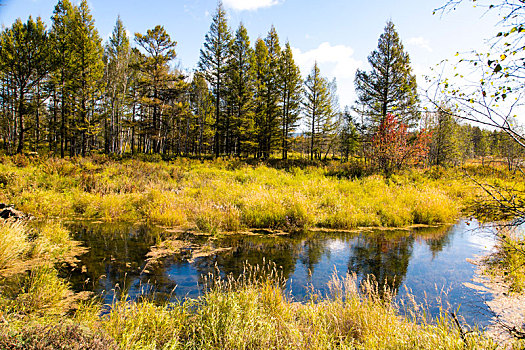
(207, 205)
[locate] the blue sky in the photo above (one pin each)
(339, 34)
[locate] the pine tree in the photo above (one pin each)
(291, 90)
(262, 69)
(89, 69)
(160, 50)
(24, 61)
(241, 79)
(117, 57)
(445, 146)
(333, 119)
(272, 80)
(349, 136)
(390, 87)
(62, 77)
(318, 110)
(134, 93)
(214, 64)
(202, 106)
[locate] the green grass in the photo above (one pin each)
(218, 196)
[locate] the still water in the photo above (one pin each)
(430, 263)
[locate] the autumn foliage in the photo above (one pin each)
(393, 147)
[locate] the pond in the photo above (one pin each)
(429, 263)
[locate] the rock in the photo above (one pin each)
(8, 212)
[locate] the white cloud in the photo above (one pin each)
(250, 5)
(335, 61)
(420, 42)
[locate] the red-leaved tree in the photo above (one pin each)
(394, 148)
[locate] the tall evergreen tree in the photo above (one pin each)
(390, 87)
(64, 70)
(202, 106)
(262, 69)
(160, 50)
(24, 60)
(272, 80)
(291, 90)
(134, 92)
(333, 120)
(318, 110)
(348, 135)
(214, 63)
(89, 71)
(241, 79)
(117, 57)
(446, 139)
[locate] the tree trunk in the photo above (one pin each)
(20, 147)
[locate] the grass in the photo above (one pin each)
(29, 283)
(253, 312)
(65, 337)
(14, 245)
(217, 196)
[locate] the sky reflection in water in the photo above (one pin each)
(429, 262)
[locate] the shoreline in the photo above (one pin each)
(508, 308)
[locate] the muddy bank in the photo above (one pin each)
(508, 320)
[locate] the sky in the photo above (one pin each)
(338, 34)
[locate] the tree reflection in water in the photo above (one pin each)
(118, 251)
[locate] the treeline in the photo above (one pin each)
(65, 92)
(448, 142)
(453, 143)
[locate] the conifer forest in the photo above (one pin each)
(67, 93)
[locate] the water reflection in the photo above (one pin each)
(382, 256)
(422, 260)
(116, 258)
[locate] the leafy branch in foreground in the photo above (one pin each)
(487, 88)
